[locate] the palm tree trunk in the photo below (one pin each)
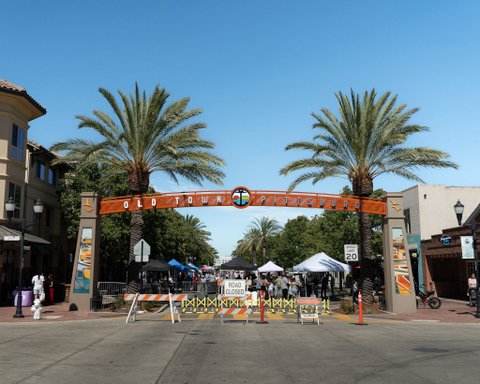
(138, 182)
(264, 254)
(367, 265)
(363, 187)
(136, 224)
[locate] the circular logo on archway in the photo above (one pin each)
(241, 197)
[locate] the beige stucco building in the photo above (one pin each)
(27, 174)
(428, 213)
(429, 208)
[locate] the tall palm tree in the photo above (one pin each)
(198, 238)
(197, 226)
(267, 228)
(251, 242)
(366, 140)
(145, 135)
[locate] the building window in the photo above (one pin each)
(15, 191)
(41, 170)
(52, 176)
(408, 224)
(18, 143)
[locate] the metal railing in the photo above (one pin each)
(111, 288)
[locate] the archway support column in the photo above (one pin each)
(85, 267)
(399, 284)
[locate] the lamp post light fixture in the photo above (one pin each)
(10, 208)
(459, 207)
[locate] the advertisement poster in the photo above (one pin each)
(84, 265)
(467, 247)
(403, 285)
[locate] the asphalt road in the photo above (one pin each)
(205, 351)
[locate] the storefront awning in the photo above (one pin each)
(9, 233)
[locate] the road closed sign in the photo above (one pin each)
(234, 288)
(351, 252)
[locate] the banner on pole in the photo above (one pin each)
(467, 247)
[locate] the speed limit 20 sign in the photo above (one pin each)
(351, 252)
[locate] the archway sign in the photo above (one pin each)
(398, 275)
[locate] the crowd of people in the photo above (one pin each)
(275, 285)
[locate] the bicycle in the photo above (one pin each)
(428, 298)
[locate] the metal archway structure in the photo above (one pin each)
(241, 197)
(398, 273)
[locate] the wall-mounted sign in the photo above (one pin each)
(11, 238)
(446, 239)
(403, 285)
(84, 264)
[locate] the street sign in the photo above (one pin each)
(11, 238)
(234, 288)
(141, 250)
(26, 247)
(351, 252)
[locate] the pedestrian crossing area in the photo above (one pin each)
(269, 317)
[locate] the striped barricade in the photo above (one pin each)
(307, 308)
(232, 305)
(164, 297)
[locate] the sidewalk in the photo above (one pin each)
(451, 311)
(56, 312)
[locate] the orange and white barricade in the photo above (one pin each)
(165, 297)
(311, 304)
(248, 301)
(235, 311)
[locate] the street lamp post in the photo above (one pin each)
(10, 208)
(459, 207)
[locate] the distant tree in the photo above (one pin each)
(173, 236)
(267, 228)
(366, 140)
(250, 244)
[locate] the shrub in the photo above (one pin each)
(346, 305)
(118, 303)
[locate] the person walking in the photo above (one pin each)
(472, 289)
(355, 291)
(332, 285)
(292, 288)
(38, 280)
(279, 287)
(324, 287)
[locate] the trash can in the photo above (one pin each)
(96, 303)
(27, 298)
(51, 297)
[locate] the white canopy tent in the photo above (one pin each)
(270, 267)
(321, 262)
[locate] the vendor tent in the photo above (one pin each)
(156, 266)
(175, 264)
(193, 266)
(270, 267)
(238, 264)
(321, 262)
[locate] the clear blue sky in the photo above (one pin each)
(258, 69)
